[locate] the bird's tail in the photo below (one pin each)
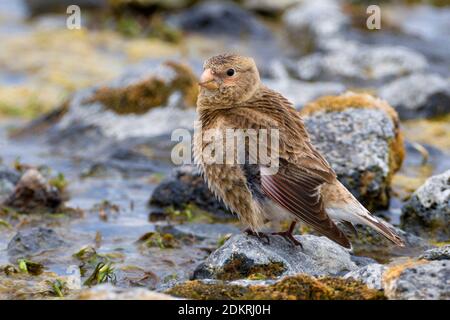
(354, 212)
(384, 229)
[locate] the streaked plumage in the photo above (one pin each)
(304, 189)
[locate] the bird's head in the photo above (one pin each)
(228, 79)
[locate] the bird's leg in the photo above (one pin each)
(288, 235)
(259, 235)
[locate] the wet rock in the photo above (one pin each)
(219, 18)
(362, 261)
(8, 179)
(110, 292)
(33, 194)
(138, 97)
(36, 7)
(418, 280)
(371, 275)
(186, 186)
(360, 137)
(354, 63)
(298, 287)
(440, 253)
(310, 23)
(427, 212)
(160, 94)
(33, 242)
(244, 256)
(418, 95)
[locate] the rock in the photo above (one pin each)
(298, 287)
(149, 4)
(244, 256)
(33, 194)
(110, 292)
(418, 280)
(160, 94)
(186, 186)
(33, 242)
(359, 135)
(439, 253)
(310, 23)
(219, 18)
(302, 92)
(269, 7)
(362, 261)
(371, 275)
(36, 7)
(418, 95)
(8, 179)
(138, 97)
(355, 63)
(427, 212)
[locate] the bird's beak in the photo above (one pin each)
(208, 81)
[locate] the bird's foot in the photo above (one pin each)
(288, 236)
(259, 235)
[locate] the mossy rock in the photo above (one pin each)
(142, 96)
(299, 287)
(360, 137)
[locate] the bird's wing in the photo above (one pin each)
(298, 191)
(302, 169)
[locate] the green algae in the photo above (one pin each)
(160, 240)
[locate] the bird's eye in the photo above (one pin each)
(230, 72)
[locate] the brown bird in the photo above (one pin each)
(305, 187)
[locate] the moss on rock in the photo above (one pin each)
(153, 92)
(361, 101)
(338, 129)
(238, 268)
(299, 287)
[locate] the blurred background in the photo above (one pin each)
(93, 108)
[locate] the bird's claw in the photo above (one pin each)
(288, 236)
(259, 235)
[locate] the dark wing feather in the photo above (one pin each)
(298, 191)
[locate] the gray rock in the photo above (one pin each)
(187, 186)
(356, 142)
(33, 242)
(427, 212)
(429, 281)
(418, 95)
(33, 194)
(219, 18)
(371, 275)
(440, 253)
(36, 7)
(362, 261)
(302, 92)
(315, 22)
(8, 179)
(356, 62)
(268, 6)
(243, 255)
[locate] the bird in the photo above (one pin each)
(303, 189)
